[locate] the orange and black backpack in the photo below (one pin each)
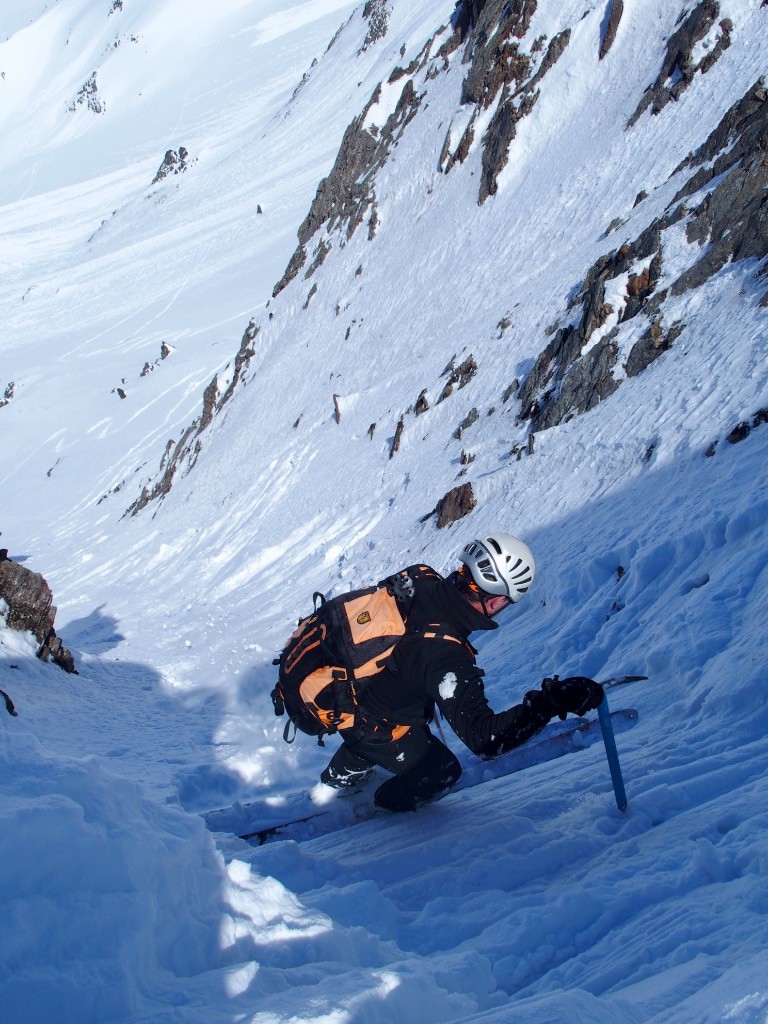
(334, 653)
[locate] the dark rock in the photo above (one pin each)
(611, 27)
(54, 649)
(467, 422)
(615, 224)
(30, 607)
(562, 382)
(396, 439)
(376, 13)
(465, 16)
(9, 706)
(588, 383)
(711, 450)
(186, 452)
(733, 217)
(29, 600)
(650, 346)
(244, 355)
(639, 198)
(723, 42)
(739, 433)
(371, 430)
(7, 394)
(295, 264)
(510, 390)
(495, 59)
(345, 195)
(373, 221)
(210, 395)
(421, 403)
(89, 95)
(311, 294)
(498, 64)
(336, 408)
(555, 50)
(640, 287)
(500, 133)
(456, 504)
(461, 375)
(174, 162)
(319, 254)
(677, 66)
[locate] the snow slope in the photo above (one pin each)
(527, 898)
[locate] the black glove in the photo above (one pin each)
(575, 695)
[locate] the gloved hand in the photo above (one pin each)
(575, 695)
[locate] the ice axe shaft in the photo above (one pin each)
(612, 755)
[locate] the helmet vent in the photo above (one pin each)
(495, 545)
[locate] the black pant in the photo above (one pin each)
(422, 766)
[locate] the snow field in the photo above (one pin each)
(526, 898)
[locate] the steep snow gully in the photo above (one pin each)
(517, 246)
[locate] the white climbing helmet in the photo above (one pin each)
(500, 564)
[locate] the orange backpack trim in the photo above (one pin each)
(348, 640)
(315, 691)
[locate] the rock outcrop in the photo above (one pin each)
(88, 96)
(501, 72)
(678, 67)
(376, 13)
(611, 27)
(29, 603)
(185, 453)
(174, 162)
(728, 224)
(456, 504)
(346, 195)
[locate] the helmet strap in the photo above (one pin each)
(465, 582)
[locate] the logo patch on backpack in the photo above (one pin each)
(363, 617)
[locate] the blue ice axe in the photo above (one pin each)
(612, 754)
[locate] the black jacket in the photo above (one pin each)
(423, 672)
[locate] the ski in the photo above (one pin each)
(303, 819)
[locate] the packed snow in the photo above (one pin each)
(524, 895)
